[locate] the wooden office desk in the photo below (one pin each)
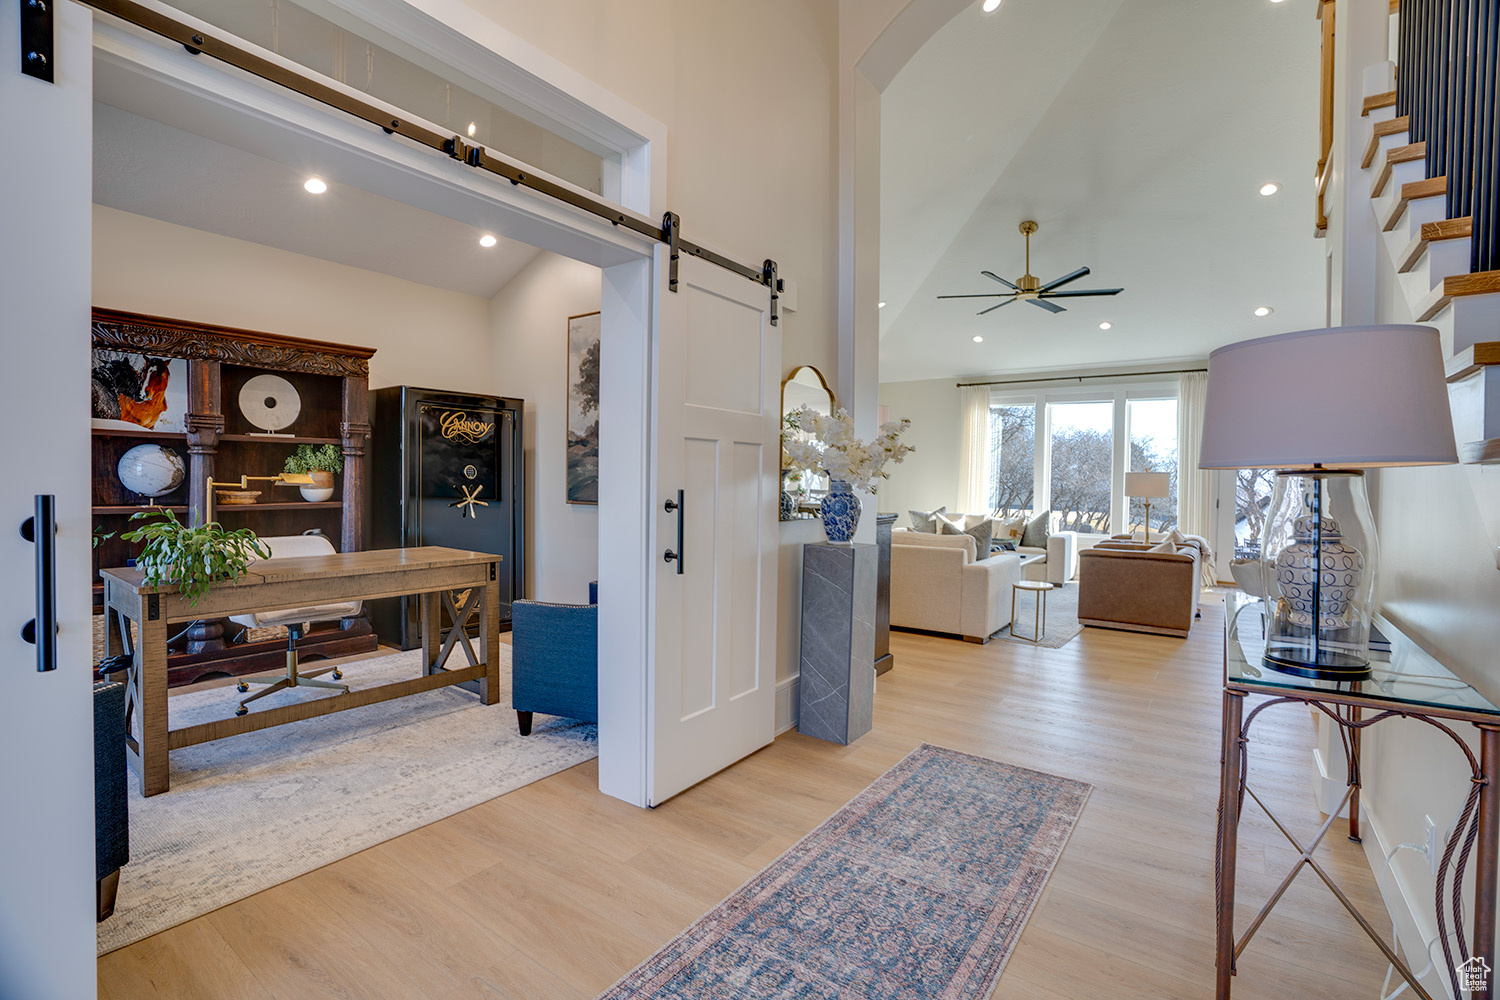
(431, 571)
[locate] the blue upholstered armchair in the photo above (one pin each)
(111, 817)
(554, 660)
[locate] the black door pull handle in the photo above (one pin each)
(41, 529)
(672, 555)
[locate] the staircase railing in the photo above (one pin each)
(1445, 82)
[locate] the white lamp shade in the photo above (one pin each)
(1351, 397)
(1152, 485)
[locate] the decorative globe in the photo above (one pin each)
(151, 470)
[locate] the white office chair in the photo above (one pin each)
(296, 620)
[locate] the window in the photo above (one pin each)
(1067, 451)
(1012, 460)
(1252, 495)
(1153, 448)
(1081, 459)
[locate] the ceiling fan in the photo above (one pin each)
(1028, 288)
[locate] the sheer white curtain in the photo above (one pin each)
(974, 459)
(1194, 512)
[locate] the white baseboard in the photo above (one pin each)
(786, 705)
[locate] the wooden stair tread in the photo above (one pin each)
(1374, 101)
(1433, 232)
(1392, 126)
(1457, 286)
(1400, 154)
(1467, 362)
(1429, 187)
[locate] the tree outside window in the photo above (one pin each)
(1153, 448)
(1082, 462)
(1012, 460)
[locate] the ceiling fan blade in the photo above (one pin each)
(992, 274)
(1086, 291)
(979, 295)
(1046, 305)
(1056, 282)
(997, 305)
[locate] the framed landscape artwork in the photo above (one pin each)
(583, 408)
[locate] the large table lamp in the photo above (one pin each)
(1320, 407)
(1148, 486)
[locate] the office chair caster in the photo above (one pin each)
(242, 687)
(338, 675)
(242, 710)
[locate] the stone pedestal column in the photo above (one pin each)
(836, 692)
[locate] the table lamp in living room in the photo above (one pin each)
(1148, 486)
(1320, 407)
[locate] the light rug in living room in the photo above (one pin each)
(251, 811)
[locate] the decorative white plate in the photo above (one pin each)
(270, 402)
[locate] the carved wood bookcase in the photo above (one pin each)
(218, 441)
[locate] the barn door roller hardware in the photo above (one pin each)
(36, 38)
(453, 145)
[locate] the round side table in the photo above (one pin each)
(1039, 619)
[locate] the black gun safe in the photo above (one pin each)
(446, 469)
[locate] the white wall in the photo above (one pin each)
(422, 336)
(529, 332)
(928, 477)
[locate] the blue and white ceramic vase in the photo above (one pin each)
(841, 510)
(788, 502)
(1336, 568)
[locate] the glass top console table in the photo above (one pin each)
(1406, 683)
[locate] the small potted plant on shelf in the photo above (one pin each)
(194, 558)
(320, 462)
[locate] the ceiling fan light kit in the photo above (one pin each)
(1028, 288)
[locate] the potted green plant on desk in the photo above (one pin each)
(192, 559)
(320, 462)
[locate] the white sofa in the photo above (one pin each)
(938, 585)
(1059, 562)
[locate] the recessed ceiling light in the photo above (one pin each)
(1276, 1)
(1269, 189)
(487, 241)
(314, 185)
(990, 6)
(1263, 310)
(472, 129)
(1105, 326)
(980, 340)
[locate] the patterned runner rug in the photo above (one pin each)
(918, 888)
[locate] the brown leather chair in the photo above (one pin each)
(1124, 585)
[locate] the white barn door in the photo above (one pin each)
(711, 700)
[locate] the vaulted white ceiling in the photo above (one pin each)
(1137, 133)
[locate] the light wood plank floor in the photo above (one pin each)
(554, 891)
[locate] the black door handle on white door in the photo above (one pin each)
(675, 555)
(41, 528)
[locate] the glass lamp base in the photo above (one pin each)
(1330, 664)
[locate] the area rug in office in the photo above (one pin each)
(918, 888)
(1062, 625)
(254, 810)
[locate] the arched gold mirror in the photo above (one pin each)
(801, 489)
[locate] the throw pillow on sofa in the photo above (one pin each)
(1037, 532)
(924, 520)
(1010, 531)
(980, 532)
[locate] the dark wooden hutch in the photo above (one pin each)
(332, 382)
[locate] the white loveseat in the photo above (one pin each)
(938, 585)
